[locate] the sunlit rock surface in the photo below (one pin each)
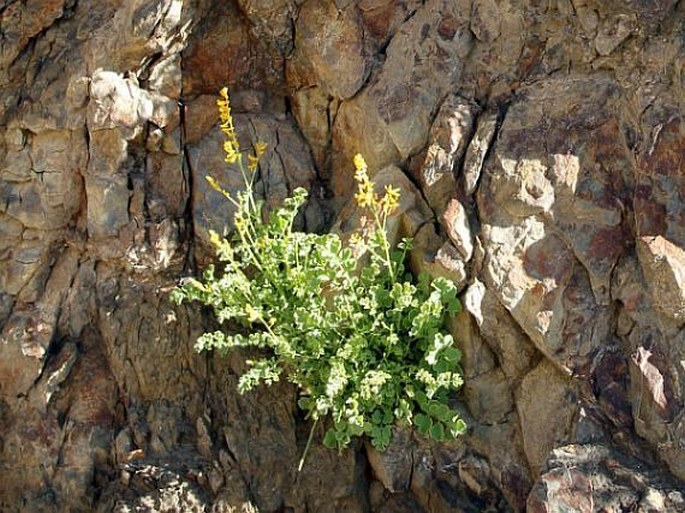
(540, 151)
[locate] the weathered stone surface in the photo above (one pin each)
(146, 485)
(663, 264)
(548, 202)
(221, 36)
(612, 382)
(502, 446)
(382, 18)
(331, 55)
(514, 351)
(313, 110)
(477, 357)
(546, 418)
(393, 466)
(660, 187)
(489, 397)
(477, 149)
(398, 105)
(449, 135)
(436, 257)
(456, 224)
(657, 398)
(450, 477)
(28, 333)
(272, 21)
(539, 148)
(595, 478)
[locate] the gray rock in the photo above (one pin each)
(393, 466)
(593, 477)
(450, 134)
(477, 149)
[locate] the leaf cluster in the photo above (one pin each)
(363, 341)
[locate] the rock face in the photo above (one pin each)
(540, 149)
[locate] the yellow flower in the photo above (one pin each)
(361, 170)
(231, 145)
(260, 148)
(232, 153)
(215, 238)
(390, 200)
(224, 106)
(365, 196)
(228, 129)
(252, 163)
(240, 223)
(356, 239)
(359, 162)
(213, 183)
(251, 314)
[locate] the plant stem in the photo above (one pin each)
(380, 226)
(306, 447)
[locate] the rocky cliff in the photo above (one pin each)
(541, 149)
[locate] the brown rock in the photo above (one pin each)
(331, 55)
(449, 135)
(456, 223)
(502, 445)
(658, 203)
(477, 149)
(656, 398)
(398, 105)
(485, 20)
(489, 397)
(314, 111)
(393, 466)
(382, 18)
(546, 418)
(436, 258)
(22, 22)
(612, 32)
(107, 127)
(654, 390)
(663, 265)
(448, 477)
(477, 357)
(224, 36)
(272, 21)
(514, 351)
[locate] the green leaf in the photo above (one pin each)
(306, 403)
(452, 354)
(423, 422)
(440, 411)
(330, 440)
(380, 437)
(437, 432)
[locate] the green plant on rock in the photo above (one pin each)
(363, 341)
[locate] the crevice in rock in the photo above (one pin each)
(189, 263)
